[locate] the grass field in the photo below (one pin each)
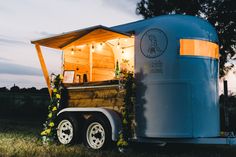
(21, 138)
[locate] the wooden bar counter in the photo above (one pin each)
(107, 94)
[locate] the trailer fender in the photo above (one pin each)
(111, 115)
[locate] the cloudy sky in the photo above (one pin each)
(26, 20)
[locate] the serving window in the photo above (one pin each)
(97, 61)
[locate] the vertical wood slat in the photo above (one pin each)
(44, 68)
(91, 63)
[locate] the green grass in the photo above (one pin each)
(21, 138)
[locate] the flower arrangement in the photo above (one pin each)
(127, 110)
(49, 132)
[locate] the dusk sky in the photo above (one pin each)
(26, 20)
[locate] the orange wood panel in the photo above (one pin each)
(98, 35)
(103, 64)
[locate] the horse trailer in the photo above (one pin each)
(175, 61)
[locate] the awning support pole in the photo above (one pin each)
(44, 68)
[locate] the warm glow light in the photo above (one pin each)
(72, 51)
(126, 40)
(122, 51)
(93, 48)
(100, 46)
(80, 46)
(118, 45)
(125, 54)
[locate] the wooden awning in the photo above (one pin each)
(79, 37)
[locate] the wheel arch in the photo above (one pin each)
(111, 115)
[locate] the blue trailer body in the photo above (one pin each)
(177, 96)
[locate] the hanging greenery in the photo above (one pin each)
(127, 110)
(117, 70)
(49, 131)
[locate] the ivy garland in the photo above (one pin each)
(127, 82)
(127, 110)
(49, 131)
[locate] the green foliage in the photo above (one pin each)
(220, 13)
(117, 70)
(49, 132)
(24, 103)
(127, 82)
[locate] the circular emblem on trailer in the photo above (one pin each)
(153, 43)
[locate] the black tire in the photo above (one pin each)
(103, 135)
(68, 132)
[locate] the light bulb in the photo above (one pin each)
(122, 51)
(100, 46)
(72, 51)
(118, 45)
(93, 48)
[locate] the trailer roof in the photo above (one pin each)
(81, 36)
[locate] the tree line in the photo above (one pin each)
(23, 102)
(24, 90)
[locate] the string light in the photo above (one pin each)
(122, 51)
(100, 46)
(72, 51)
(93, 48)
(118, 45)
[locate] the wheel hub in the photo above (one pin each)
(95, 135)
(65, 132)
(98, 135)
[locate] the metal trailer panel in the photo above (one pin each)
(214, 140)
(177, 96)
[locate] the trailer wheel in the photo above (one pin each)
(67, 130)
(97, 133)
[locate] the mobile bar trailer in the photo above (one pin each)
(175, 63)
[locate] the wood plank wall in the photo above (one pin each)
(79, 61)
(109, 97)
(103, 62)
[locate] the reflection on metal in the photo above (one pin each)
(177, 97)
